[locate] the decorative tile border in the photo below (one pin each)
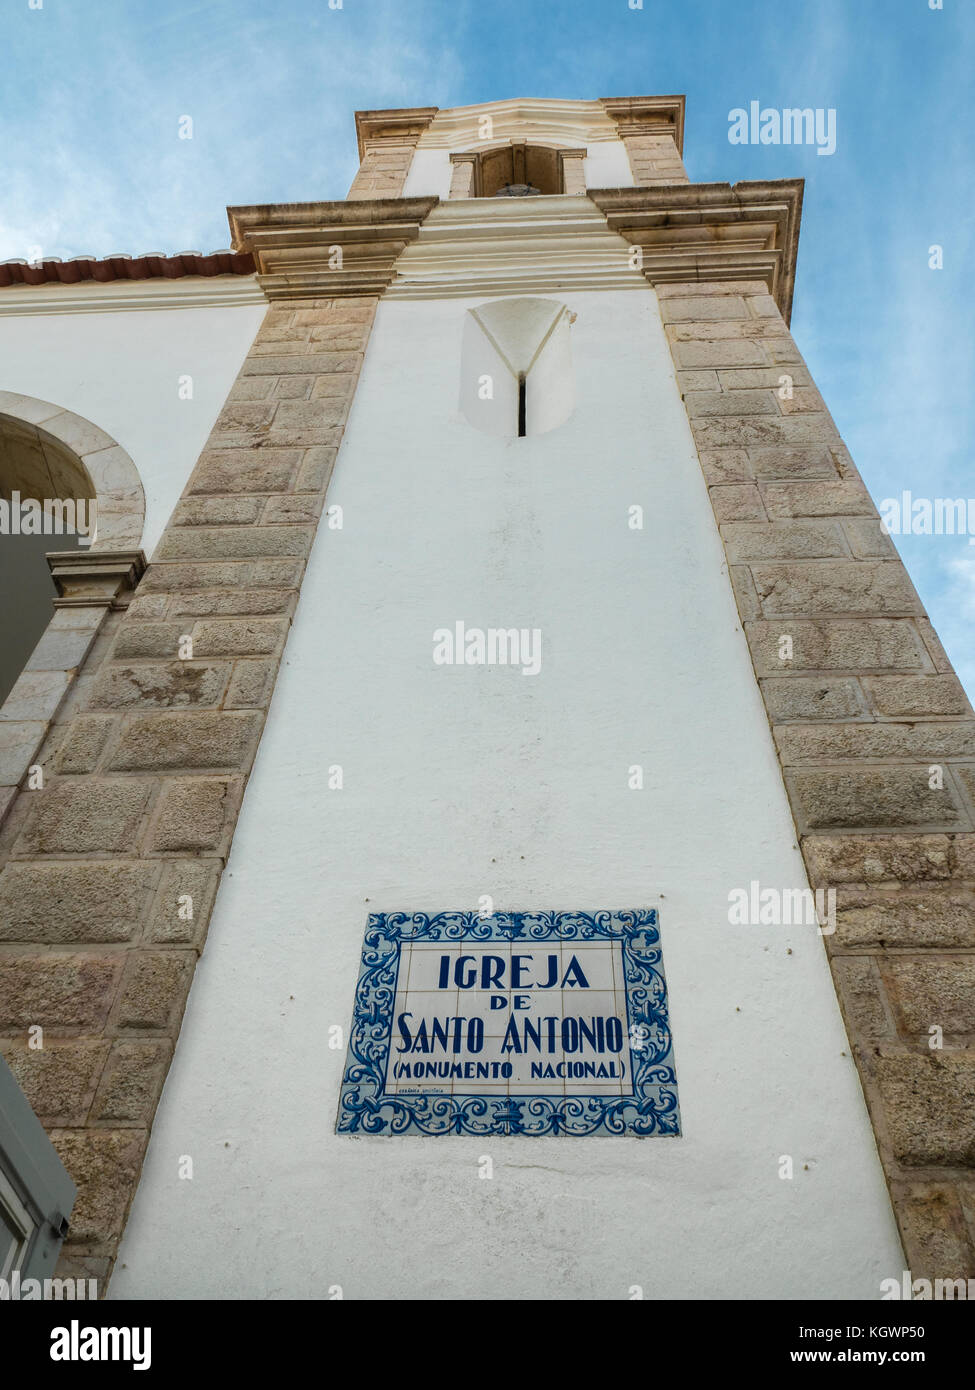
(491, 1086)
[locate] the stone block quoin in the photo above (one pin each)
(108, 873)
(875, 737)
(652, 132)
(387, 143)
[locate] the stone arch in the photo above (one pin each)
(72, 506)
(74, 458)
(546, 165)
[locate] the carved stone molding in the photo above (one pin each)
(462, 174)
(397, 126)
(712, 231)
(99, 579)
(387, 141)
(90, 584)
(330, 249)
(565, 167)
(81, 461)
(648, 116)
(508, 246)
(572, 171)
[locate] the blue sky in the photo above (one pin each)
(92, 92)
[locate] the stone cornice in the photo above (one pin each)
(539, 121)
(648, 116)
(192, 292)
(712, 231)
(503, 246)
(393, 126)
(294, 244)
(89, 579)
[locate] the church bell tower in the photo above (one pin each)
(570, 790)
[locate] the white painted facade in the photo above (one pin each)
(463, 781)
(118, 356)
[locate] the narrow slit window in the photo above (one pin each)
(508, 343)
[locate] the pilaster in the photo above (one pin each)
(109, 867)
(387, 143)
(90, 585)
(712, 232)
(652, 129)
(874, 734)
(329, 249)
(462, 174)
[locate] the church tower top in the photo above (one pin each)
(522, 195)
(521, 141)
(569, 122)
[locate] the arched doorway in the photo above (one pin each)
(45, 505)
(64, 485)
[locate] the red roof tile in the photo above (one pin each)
(148, 267)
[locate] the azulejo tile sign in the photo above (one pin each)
(527, 1023)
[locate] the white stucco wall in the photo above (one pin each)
(465, 781)
(429, 175)
(121, 371)
(606, 166)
